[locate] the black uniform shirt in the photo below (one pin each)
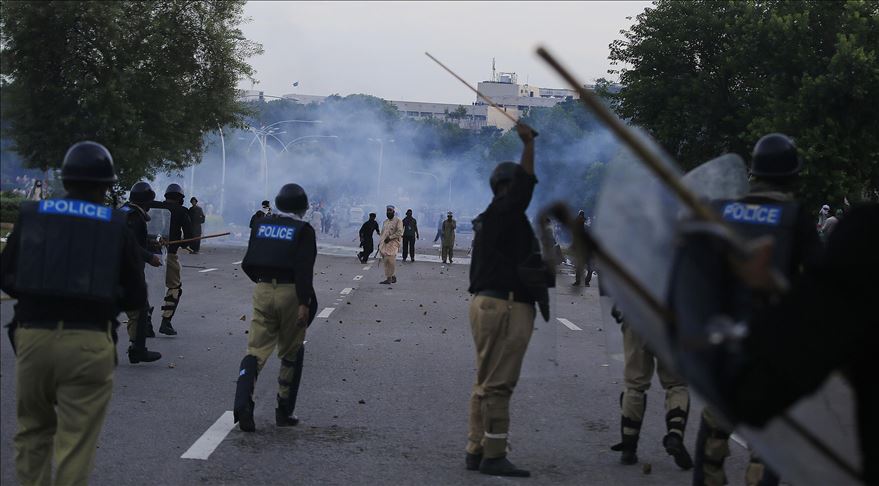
(503, 239)
(136, 220)
(43, 308)
(368, 227)
(410, 227)
(181, 225)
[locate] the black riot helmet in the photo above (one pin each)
(142, 193)
(292, 199)
(504, 173)
(88, 162)
(775, 156)
(174, 191)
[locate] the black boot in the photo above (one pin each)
(629, 449)
(142, 355)
(166, 327)
(676, 423)
(242, 409)
(472, 461)
(282, 419)
(394, 279)
(386, 281)
(674, 445)
(501, 466)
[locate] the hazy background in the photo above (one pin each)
(377, 48)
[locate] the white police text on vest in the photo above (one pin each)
(275, 232)
(72, 207)
(767, 214)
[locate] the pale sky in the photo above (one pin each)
(377, 48)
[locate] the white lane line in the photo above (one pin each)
(570, 325)
(358, 277)
(367, 268)
(238, 262)
(326, 312)
(346, 291)
(206, 270)
(208, 442)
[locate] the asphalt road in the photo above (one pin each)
(384, 392)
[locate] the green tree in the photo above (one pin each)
(704, 77)
(146, 79)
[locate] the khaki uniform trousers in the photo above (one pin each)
(716, 450)
(389, 262)
(447, 253)
(275, 312)
(63, 382)
(637, 373)
(173, 284)
(501, 332)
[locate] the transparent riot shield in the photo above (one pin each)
(158, 231)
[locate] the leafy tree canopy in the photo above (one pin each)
(706, 77)
(146, 79)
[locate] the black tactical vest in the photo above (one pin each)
(753, 217)
(70, 248)
(274, 241)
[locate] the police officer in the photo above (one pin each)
(181, 228)
(139, 321)
(639, 363)
(410, 234)
(768, 209)
(502, 309)
(280, 259)
(73, 266)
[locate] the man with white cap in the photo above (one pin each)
(389, 244)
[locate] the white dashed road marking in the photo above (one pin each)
(367, 267)
(346, 291)
(326, 312)
(206, 270)
(238, 262)
(570, 325)
(208, 442)
(358, 277)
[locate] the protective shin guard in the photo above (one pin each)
(708, 469)
(289, 377)
(243, 407)
(172, 300)
(630, 430)
(676, 422)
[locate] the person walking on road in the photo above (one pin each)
(280, 260)
(501, 311)
(73, 265)
(638, 367)
(139, 323)
(389, 244)
(366, 230)
(578, 272)
(181, 228)
(410, 234)
(448, 235)
(196, 215)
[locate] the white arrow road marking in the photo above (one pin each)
(208, 442)
(326, 312)
(346, 291)
(570, 325)
(206, 270)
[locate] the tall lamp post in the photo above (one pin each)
(381, 152)
(435, 178)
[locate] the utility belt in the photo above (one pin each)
(276, 280)
(505, 295)
(105, 326)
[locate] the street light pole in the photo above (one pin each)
(381, 152)
(223, 173)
